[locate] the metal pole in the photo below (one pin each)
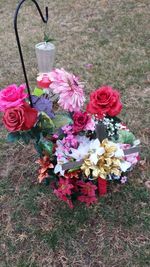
(18, 40)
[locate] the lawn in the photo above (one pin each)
(36, 228)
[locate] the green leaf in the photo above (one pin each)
(35, 133)
(62, 119)
(46, 124)
(26, 137)
(47, 39)
(38, 92)
(46, 145)
(13, 137)
(125, 137)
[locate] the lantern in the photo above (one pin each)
(45, 53)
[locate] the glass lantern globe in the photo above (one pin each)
(45, 53)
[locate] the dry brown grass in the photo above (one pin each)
(37, 230)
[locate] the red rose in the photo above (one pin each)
(20, 118)
(80, 121)
(104, 101)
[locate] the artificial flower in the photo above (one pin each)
(132, 158)
(125, 165)
(67, 129)
(43, 104)
(81, 152)
(82, 121)
(63, 197)
(95, 150)
(43, 80)
(12, 96)
(64, 190)
(107, 163)
(123, 179)
(45, 164)
(70, 90)
(104, 101)
(87, 191)
(58, 169)
(64, 187)
(102, 186)
(20, 118)
(72, 174)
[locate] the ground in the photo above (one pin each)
(36, 228)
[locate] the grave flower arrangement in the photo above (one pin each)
(82, 147)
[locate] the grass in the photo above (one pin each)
(36, 228)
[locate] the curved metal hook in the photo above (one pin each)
(18, 40)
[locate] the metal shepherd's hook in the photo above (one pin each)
(18, 40)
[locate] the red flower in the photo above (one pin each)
(87, 188)
(64, 190)
(88, 192)
(64, 187)
(43, 81)
(64, 198)
(104, 101)
(20, 118)
(72, 175)
(102, 186)
(80, 121)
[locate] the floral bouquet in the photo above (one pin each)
(81, 151)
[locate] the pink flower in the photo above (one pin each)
(90, 125)
(70, 90)
(67, 129)
(123, 179)
(12, 96)
(132, 158)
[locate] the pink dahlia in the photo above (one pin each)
(70, 90)
(12, 96)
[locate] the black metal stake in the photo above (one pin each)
(18, 40)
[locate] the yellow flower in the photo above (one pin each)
(107, 163)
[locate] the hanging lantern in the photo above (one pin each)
(45, 53)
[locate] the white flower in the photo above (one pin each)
(95, 150)
(80, 153)
(119, 152)
(58, 169)
(125, 165)
(136, 142)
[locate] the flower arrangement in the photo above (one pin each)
(81, 150)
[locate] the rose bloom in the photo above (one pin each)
(12, 96)
(104, 101)
(82, 121)
(20, 118)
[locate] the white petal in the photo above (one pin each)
(93, 158)
(119, 153)
(125, 166)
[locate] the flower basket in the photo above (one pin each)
(82, 148)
